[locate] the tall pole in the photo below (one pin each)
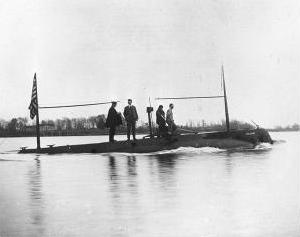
(38, 139)
(225, 101)
(149, 112)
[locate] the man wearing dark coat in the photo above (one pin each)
(161, 121)
(113, 120)
(131, 117)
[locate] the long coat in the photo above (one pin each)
(160, 118)
(113, 118)
(130, 114)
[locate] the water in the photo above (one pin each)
(187, 192)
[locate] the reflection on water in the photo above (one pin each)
(132, 175)
(228, 164)
(117, 178)
(196, 192)
(166, 167)
(166, 162)
(131, 165)
(36, 195)
(113, 178)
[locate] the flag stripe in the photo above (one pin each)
(33, 107)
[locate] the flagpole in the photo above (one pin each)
(38, 139)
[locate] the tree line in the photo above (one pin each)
(24, 126)
(95, 125)
(294, 127)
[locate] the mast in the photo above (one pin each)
(149, 112)
(225, 100)
(38, 139)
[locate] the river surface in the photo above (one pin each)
(186, 192)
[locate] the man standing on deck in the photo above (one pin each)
(131, 117)
(161, 121)
(170, 120)
(113, 120)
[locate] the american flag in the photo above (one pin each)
(33, 107)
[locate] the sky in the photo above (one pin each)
(101, 50)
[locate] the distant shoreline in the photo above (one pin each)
(278, 130)
(100, 133)
(95, 126)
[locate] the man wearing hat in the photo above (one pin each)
(113, 120)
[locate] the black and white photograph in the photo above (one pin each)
(149, 118)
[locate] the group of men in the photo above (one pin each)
(165, 122)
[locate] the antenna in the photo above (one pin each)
(257, 126)
(225, 99)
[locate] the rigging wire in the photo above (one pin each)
(191, 97)
(75, 105)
